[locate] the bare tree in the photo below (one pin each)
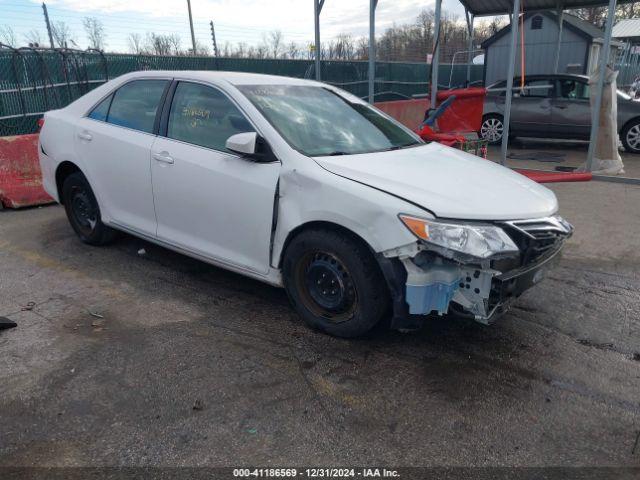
(7, 36)
(175, 42)
(202, 49)
(157, 44)
(33, 38)
(274, 43)
(135, 43)
(95, 32)
(293, 50)
(61, 34)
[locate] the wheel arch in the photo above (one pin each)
(318, 224)
(635, 119)
(63, 170)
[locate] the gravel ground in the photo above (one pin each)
(157, 359)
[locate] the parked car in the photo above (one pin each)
(554, 106)
(301, 185)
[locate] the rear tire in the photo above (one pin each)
(335, 283)
(491, 128)
(83, 211)
(630, 136)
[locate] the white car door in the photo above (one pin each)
(209, 201)
(114, 142)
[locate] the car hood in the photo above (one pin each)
(448, 182)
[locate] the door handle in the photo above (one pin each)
(163, 157)
(85, 136)
(561, 107)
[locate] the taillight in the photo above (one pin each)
(40, 123)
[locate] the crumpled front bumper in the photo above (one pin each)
(423, 282)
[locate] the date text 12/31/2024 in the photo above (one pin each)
(316, 472)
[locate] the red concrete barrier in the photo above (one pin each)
(555, 177)
(20, 175)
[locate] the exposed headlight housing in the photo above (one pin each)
(479, 241)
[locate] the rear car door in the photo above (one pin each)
(571, 111)
(114, 140)
(209, 200)
(531, 107)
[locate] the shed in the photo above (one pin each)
(627, 30)
(580, 46)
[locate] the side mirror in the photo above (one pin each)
(242, 143)
(251, 145)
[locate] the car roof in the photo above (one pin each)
(550, 76)
(234, 78)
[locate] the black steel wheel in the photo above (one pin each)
(334, 282)
(83, 211)
(326, 286)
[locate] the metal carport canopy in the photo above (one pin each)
(513, 8)
(481, 8)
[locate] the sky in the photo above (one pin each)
(235, 20)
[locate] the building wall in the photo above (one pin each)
(540, 48)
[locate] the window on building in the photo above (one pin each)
(536, 22)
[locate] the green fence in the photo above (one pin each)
(34, 81)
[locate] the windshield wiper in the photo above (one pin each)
(336, 153)
(398, 147)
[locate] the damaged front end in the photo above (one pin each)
(471, 270)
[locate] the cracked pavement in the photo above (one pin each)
(158, 359)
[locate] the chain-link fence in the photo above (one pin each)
(33, 81)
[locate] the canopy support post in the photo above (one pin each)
(470, 18)
(510, 72)
(435, 60)
(560, 13)
(603, 60)
(372, 49)
(317, 8)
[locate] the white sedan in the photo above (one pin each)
(302, 185)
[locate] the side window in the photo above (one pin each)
(204, 116)
(101, 110)
(574, 90)
(135, 104)
(536, 88)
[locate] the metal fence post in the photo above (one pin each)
(560, 13)
(470, 18)
(435, 60)
(510, 73)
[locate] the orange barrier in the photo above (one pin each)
(463, 115)
(555, 177)
(20, 175)
(410, 113)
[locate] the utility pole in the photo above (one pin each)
(317, 8)
(193, 37)
(213, 39)
(372, 49)
(46, 20)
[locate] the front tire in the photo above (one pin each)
(630, 136)
(83, 211)
(335, 283)
(491, 128)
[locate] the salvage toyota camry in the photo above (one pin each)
(301, 185)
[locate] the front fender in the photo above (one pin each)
(315, 195)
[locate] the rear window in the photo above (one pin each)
(135, 104)
(102, 110)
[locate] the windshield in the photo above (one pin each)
(317, 121)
